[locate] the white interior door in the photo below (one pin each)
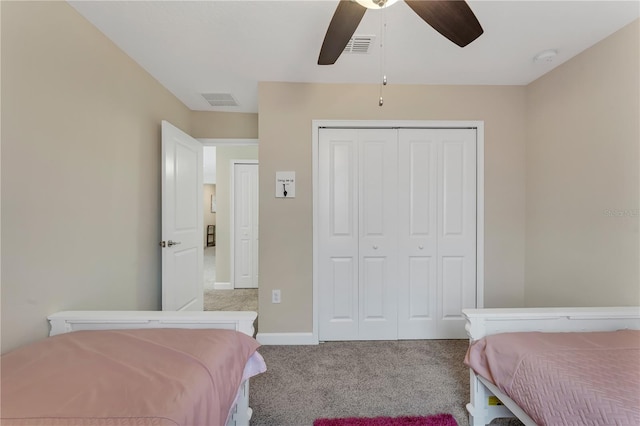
(182, 221)
(357, 232)
(377, 250)
(437, 239)
(338, 234)
(245, 223)
(457, 200)
(418, 231)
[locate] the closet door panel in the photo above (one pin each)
(453, 188)
(417, 233)
(378, 234)
(338, 235)
(456, 229)
(373, 277)
(453, 290)
(421, 289)
(343, 271)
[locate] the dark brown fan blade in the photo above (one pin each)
(345, 20)
(454, 19)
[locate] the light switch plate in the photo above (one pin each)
(285, 184)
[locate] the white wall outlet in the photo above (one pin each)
(275, 296)
(285, 184)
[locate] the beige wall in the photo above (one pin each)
(209, 217)
(224, 155)
(80, 171)
(583, 122)
(286, 111)
(223, 125)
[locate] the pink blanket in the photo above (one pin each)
(125, 377)
(565, 378)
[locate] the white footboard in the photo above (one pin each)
(484, 322)
(65, 322)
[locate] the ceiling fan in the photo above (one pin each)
(451, 18)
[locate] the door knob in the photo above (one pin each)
(172, 243)
(420, 247)
(375, 247)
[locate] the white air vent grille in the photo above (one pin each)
(359, 44)
(220, 99)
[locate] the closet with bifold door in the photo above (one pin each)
(396, 229)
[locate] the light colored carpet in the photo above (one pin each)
(361, 379)
(209, 267)
(348, 379)
(244, 299)
(225, 300)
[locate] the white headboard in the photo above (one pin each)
(484, 322)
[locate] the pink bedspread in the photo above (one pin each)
(565, 378)
(125, 377)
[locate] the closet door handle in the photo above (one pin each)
(420, 247)
(375, 247)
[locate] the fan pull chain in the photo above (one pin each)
(383, 61)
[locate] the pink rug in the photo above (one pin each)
(437, 420)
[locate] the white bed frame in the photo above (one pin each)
(484, 322)
(65, 322)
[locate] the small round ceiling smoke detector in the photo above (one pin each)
(546, 56)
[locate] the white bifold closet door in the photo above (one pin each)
(358, 234)
(437, 235)
(396, 229)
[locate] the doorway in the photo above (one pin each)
(219, 292)
(209, 202)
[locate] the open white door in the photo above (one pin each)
(182, 221)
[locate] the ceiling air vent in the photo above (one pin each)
(220, 99)
(359, 44)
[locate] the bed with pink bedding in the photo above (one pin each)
(155, 376)
(590, 378)
(553, 368)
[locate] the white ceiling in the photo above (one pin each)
(195, 47)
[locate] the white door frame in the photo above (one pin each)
(409, 124)
(232, 217)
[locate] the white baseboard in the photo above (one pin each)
(222, 286)
(286, 339)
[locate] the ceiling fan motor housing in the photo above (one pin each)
(454, 19)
